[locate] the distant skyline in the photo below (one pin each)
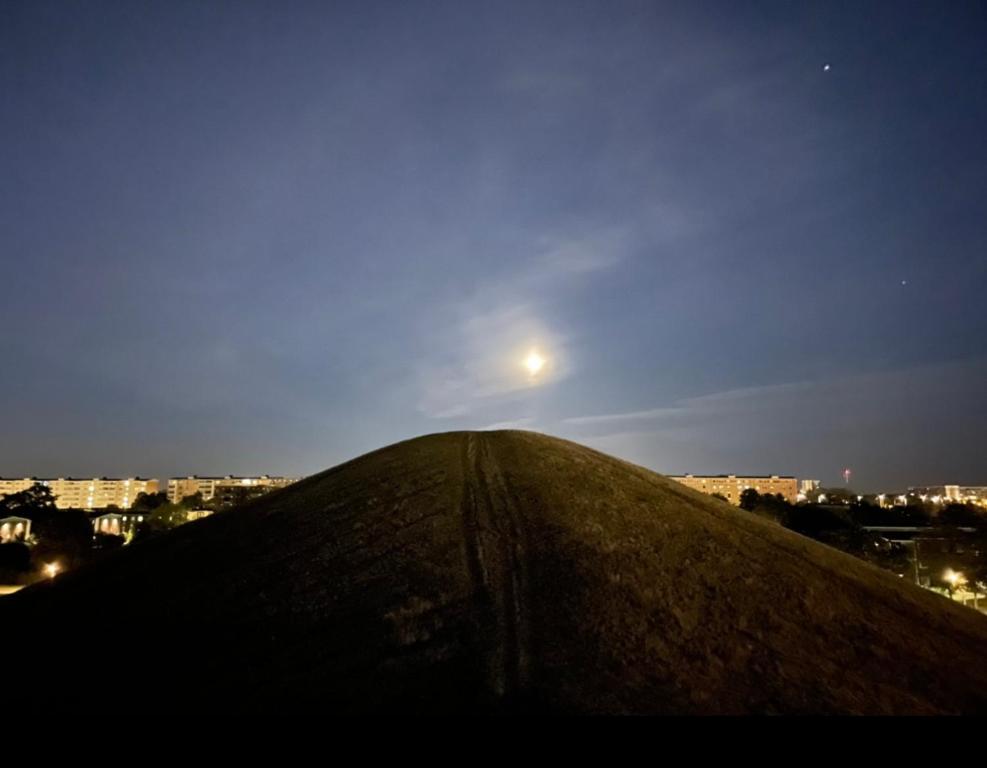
(243, 237)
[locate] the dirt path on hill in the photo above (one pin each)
(495, 551)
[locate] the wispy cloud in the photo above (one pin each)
(561, 256)
(477, 358)
(607, 418)
(483, 361)
(690, 407)
(514, 424)
(878, 423)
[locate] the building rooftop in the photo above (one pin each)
(79, 479)
(731, 477)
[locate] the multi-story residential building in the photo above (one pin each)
(180, 487)
(731, 486)
(228, 491)
(94, 493)
(808, 486)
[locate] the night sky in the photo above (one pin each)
(252, 237)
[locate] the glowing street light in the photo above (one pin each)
(954, 579)
(51, 569)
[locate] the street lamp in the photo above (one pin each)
(954, 579)
(51, 569)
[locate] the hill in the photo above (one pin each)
(491, 572)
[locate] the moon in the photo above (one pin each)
(534, 362)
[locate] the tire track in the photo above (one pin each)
(494, 557)
(511, 535)
(471, 525)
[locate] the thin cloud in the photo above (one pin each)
(514, 424)
(477, 358)
(692, 405)
(606, 418)
(484, 362)
(922, 417)
(562, 256)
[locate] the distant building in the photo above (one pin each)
(228, 491)
(970, 494)
(14, 529)
(808, 486)
(94, 493)
(180, 487)
(731, 486)
(117, 524)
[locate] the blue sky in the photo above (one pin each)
(246, 237)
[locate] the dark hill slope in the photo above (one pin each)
(497, 571)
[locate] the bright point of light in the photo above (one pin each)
(51, 569)
(826, 67)
(534, 363)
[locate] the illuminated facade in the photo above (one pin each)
(731, 486)
(117, 524)
(13, 529)
(808, 486)
(969, 494)
(228, 490)
(95, 493)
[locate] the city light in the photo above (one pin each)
(954, 578)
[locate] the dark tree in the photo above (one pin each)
(962, 516)
(842, 496)
(773, 506)
(818, 521)
(749, 499)
(166, 517)
(36, 498)
(63, 535)
(917, 512)
(107, 541)
(148, 502)
(15, 562)
(192, 502)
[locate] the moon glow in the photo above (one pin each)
(534, 363)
